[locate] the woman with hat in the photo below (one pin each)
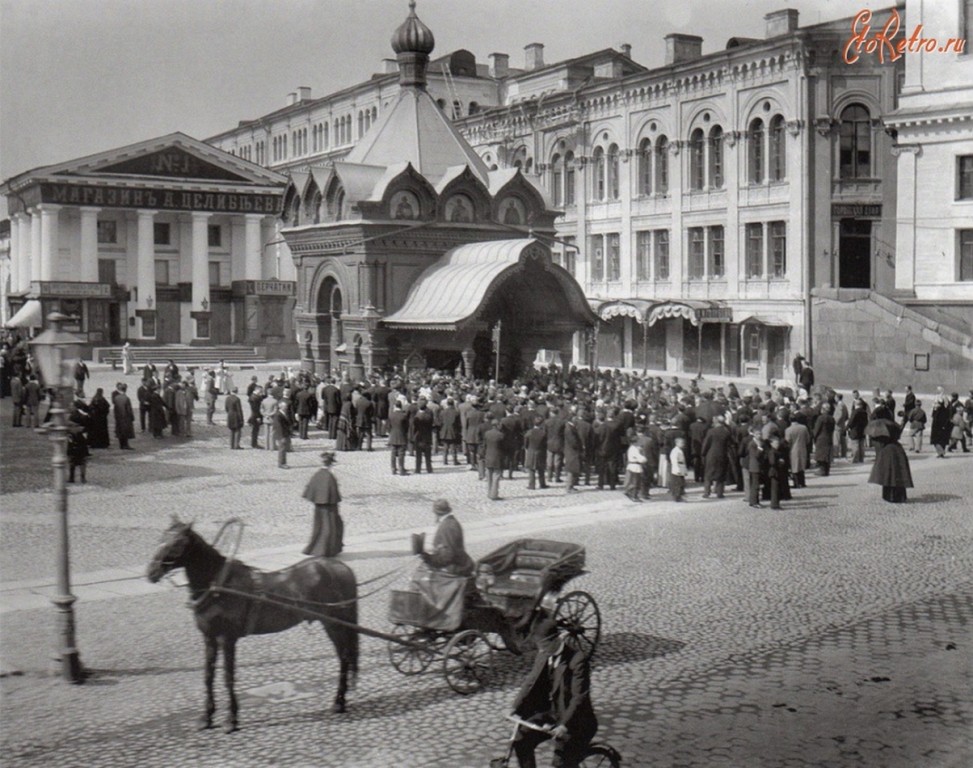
(327, 536)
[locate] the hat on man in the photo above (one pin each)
(441, 507)
(327, 457)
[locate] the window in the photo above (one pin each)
(597, 258)
(778, 150)
(570, 255)
(107, 232)
(614, 257)
(557, 179)
(717, 261)
(162, 233)
(716, 158)
(215, 273)
(645, 167)
(755, 250)
(855, 152)
(106, 271)
(643, 255)
(966, 255)
(697, 253)
(696, 159)
(161, 272)
(778, 248)
(569, 178)
(613, 175)
(215, 236)
(662, 254)
(662, 166)
(755, 148)
(964, 178)
(598, 173)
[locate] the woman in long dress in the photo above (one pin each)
(346, 427)
(891, 467)
(98, 410)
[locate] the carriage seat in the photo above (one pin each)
(525, 578)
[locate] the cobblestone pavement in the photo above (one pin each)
(834, 633)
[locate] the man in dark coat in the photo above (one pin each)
(823, 434)
(697, 433)
(332, 407)
(283, 427)
(806, 379)
(142, 393)
(554, 426)
(756, 467)
(715, 450)
(573, 451)
(535, 454)
(327, 535)
(608, 446)
(234, 419)
(512, 427)
(380, 399)
(306, 407)
(586, 435)
(398, 438)
(471, 434)
(494, 458)
(450, 431)
(365, 421)
(422, 424)
(157, 412)
(124, 417)
(557, 691)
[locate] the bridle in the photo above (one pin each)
(173, 553)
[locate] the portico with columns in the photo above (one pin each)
(166, 241)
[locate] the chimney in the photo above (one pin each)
(291, 98)
(303, 93)
(389, 66)
(681, 48)
(533, 56)
(626, 50)
(781, 22)
(499, 65)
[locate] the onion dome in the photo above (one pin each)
(413, 36)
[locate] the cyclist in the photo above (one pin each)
(556, 693)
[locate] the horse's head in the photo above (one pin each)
(172, 551)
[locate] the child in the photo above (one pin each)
(677, 470)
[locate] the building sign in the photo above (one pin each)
(173, 162)
(856, 210)
(274, 287)
(79, 290)
(161, 199)
(715, 314)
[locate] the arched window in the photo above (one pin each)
(778, 149)
(662, 166)
(473, 108)
(716, 157)
(613, 175)
(855, 155)
(755, 149)
(697, 148)
(569, 178)
(557, 179)
(529, 165)
(598, 173)
(645, 167)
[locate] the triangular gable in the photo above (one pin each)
(174, 156)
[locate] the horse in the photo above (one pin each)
(232, 600)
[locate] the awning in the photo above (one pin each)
(28, 316)
(766, 320)
(453, 290)
(637, 309)
(696, 311)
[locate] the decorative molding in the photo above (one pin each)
(675, 146)
(794, 127)
(824, 126)
(730, 138)
(907, 149)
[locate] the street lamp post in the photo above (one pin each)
(54, 351)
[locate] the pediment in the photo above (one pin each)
(173, 162)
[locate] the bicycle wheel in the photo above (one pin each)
(600, 756)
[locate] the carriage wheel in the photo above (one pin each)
(578, 617)
(467, 661)
(410, 660)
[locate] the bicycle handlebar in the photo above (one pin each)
(532, 726)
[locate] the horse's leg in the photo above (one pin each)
(229, 674)
(206, 721)
(339, 699)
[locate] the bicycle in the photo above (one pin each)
(597, 754)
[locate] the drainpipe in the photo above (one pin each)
(809, 220)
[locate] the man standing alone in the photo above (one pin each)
(234, 419)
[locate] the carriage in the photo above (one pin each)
(463, 621)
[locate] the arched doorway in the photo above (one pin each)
(330, 336)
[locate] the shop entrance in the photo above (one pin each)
(855, 253)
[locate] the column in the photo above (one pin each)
(252, 246)
(89, 245)
(16, 248)
(200, 260)
(145, 273)
(49, 240)
(35, 245)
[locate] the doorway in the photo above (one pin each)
(855, 253)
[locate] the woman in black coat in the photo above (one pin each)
(891, 467)
(98, 411)
(942, 426)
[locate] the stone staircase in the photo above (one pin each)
(183, 355)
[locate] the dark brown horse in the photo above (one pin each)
(232, 600)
